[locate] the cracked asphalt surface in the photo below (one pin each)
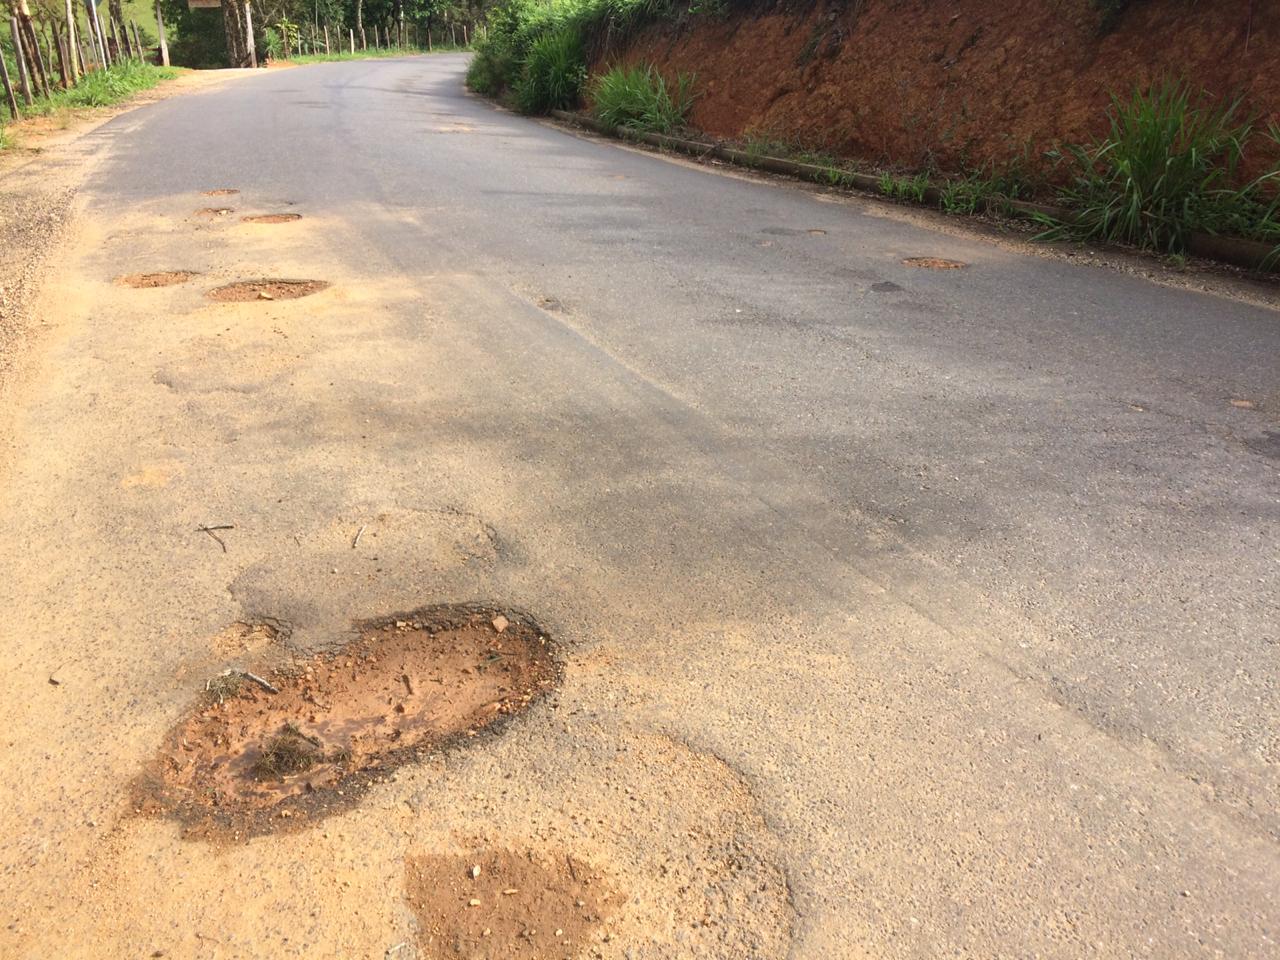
(905, 613)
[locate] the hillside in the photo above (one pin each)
(956, 83)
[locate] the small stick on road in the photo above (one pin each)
(209, 531)
(359, 534)
(264, 684)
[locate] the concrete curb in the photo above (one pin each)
(1249, 254)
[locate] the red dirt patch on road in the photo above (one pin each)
(258, 754)
(272, 218)
(934, 263)
(221, 192)
(500, 905)
(246, 291)
(166, 278)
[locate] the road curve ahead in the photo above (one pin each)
(904, 613)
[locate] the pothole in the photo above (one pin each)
(244, 291)
(259, 753)
(934, 263)
(272, 218)
(165, 278)
(214, 213)
(221, 192)
(500, 905)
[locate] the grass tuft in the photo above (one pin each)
(640, 97)
(1168, 168)
(554, 72)
(286, 754)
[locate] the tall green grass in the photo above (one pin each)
(640, 97)
(1169, 167)
(100, 88)
(554, 72)
(505, 52)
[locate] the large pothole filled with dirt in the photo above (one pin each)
(246, 291)
(272, 750)
(165, 278)
(272, 218)
(500, 905)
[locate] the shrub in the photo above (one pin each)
(553, 74)
(505, 52)
(1169, 167)
(639, 97)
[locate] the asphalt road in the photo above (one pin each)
(906, 613)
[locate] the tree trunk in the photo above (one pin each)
(31, 44)
(233, 22)
(360, 23)
(72, 47)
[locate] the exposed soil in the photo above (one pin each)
(214, 213)
(262, 753)
(916, 82)
(272, 218)
(221, 192)
(498, 905)
(244, 291)
(934, 263)
(167, 278)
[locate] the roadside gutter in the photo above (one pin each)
(1249, 254)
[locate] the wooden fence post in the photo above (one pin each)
(100, 38)
(19, 55)
(8, 89)
(326, 39)
(137, 41)
(351, 34)
(71, 40)
(164, 44)
(64, 66)
(248, 27)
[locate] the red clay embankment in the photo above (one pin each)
(959, 82)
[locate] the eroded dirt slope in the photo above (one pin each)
(959, 82)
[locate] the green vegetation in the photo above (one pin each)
(370, 54)
(101, 88)
(518, 40)
(912, 189)
(640, 98)
(554, 72)
(1169, 167)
